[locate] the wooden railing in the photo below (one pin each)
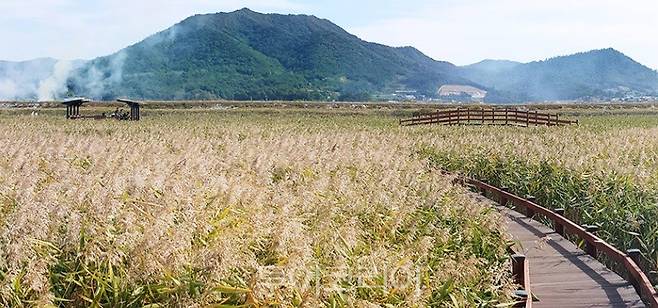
(493, 116)
(594, 246)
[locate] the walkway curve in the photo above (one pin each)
(561, 274)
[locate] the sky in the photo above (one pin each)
(459, 31)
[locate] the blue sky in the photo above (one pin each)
(461, 32)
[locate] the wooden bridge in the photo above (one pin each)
(490, 116)
(557, 272)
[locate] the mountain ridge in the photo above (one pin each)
(246, 55)
(599, 73)
(249, 55)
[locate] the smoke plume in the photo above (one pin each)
(54, 86)
(48, 79)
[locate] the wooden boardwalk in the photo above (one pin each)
(561, 274)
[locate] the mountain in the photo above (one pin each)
(245, 55)
(38, 67)
(248, 55)
(493, 66)
(604, 73)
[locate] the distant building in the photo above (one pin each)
(461, 90)
(400, 96)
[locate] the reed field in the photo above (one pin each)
(240, 208)
(266, 207)
(603, 172)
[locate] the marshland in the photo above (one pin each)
(298, 207)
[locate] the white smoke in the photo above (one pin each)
(7, 89)
(172, 33)
(99, 79)
(20, 80)
(165, 36)
(116, 66)
(55, 85)
(47, 79)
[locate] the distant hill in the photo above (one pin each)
(604, 73)
(493, 66)
(247, 55)
(244, 55)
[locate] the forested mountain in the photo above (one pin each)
(248, 55)
(604, 73)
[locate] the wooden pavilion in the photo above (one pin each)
(134, 108)
(73, 110)
(73, 107)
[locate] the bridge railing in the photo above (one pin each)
(493, 116)
(628, 262)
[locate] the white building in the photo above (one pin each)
(460, 90)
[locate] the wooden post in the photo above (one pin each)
(482, 114)
(506, 113)
(503, 198)
(519, 275)
(536, 118)
(527, 118)
(557, 120)
(559, 228)
(635, 255)
(459, 115)
(528, 211)
(491, 113)
(518, 269)
(590, 248)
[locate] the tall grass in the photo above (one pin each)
(229, 209)
(601, 176)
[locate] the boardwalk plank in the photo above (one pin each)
(561, 274)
